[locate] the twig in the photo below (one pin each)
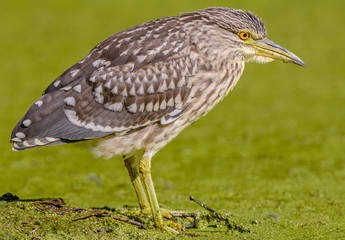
(97, 213)
(193, 234)
(184, 215)
(230, 226)
(201, 204)
(57, 202)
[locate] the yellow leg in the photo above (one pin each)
(133, 171)
(145, 173)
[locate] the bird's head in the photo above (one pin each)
(245, 34)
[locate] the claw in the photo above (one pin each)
(170, 230)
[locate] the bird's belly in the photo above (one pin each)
(149, 139)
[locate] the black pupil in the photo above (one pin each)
(244, 35)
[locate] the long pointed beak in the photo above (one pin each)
(267, 48)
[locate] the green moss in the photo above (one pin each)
(53, 219)
(273, 147)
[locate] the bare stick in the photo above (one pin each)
(97, 213)
(126, 220)
(201, 204)
(230, 226)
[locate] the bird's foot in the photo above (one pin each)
(166, 213)
(170, 214)
(169, 225)
(164, 226)
(173, 215)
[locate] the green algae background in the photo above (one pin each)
(271, 153)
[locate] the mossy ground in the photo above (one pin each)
(273, 147)
(53, 219)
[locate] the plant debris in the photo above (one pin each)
(40, 217)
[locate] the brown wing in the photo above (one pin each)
(116, 99)
(132, 79)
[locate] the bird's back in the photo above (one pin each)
(148, 74)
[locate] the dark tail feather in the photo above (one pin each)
(45, 124)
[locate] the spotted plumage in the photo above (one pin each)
(141, 76)
(138, 89)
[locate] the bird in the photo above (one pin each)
(138, 89)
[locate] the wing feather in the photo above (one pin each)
(132, 79)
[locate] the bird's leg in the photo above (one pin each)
(145, 173)
(133, 171)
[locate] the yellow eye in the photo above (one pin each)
(244, 35)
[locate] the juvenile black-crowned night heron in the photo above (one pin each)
(138, 89)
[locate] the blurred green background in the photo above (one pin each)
(274, 145)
